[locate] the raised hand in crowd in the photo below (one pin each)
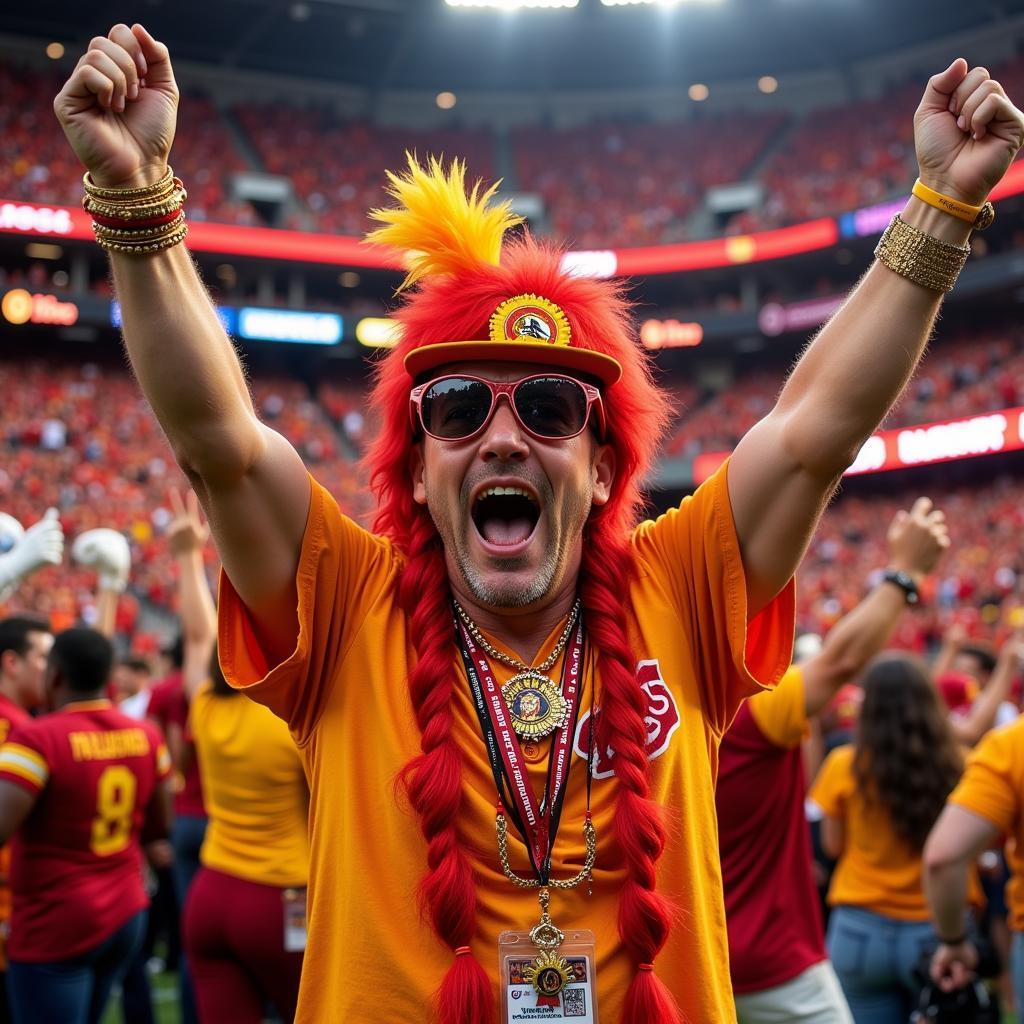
(187, 536)
(40, 545)
(107, 552)
(971, 727)
(917, 539)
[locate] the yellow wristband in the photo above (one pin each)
(946, 203)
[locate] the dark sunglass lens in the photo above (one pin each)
(455, 407)
(552, 406)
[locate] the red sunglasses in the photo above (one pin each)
(549, 406)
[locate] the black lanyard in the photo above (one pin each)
(536, 824)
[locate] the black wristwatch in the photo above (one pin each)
(905, 582)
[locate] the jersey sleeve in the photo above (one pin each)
(162, 756)
(781, 714)
(991, 784)
(23, 759)
(694, 553)
(342, 570)
(834, 784)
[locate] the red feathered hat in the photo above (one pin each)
(445, 233)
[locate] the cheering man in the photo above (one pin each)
(506, 560)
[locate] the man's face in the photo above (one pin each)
(30, 670)
(970, 664)
(511, 549)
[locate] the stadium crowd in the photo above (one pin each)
(603, 183)
(250, 785)
(121, 775)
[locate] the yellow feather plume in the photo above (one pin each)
(440, 228)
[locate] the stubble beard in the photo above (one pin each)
(511, 593)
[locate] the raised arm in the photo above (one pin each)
(187, 536)
(916, 541)
(118, 111)
(785, 469)
(982, 716)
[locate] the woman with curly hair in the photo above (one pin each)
(880, 796)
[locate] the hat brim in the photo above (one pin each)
(540, 353)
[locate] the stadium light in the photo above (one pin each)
(445, 100)
(767, 84)
(511, 5)
(55, 51)
(698, 92)
(657, 3)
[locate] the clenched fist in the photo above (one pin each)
(966, 132)
(119, 106)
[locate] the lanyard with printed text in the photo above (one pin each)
(536, 823)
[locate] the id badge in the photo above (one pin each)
(294, 901)
(523, 999)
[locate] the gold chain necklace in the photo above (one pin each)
(508, 659)
(534, 700)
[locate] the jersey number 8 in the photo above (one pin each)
(115, 806)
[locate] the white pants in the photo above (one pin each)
(813, 997)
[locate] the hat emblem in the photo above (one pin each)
(530, 319)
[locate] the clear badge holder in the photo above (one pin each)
(294, 901)
(546, 985)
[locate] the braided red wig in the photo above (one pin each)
(448, 306)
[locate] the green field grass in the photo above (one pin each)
(165, 1001)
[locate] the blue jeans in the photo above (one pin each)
(187, 835)
(875, 958)
(1017, 971)
(73, 991)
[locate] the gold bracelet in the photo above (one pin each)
(141, 234)
(145, 250)
(122, 195)
(979, 217)
(139, 238)
(920, 258)
(139, 211)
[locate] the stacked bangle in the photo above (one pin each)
(925, 260)
(137, 221)
(920, 258)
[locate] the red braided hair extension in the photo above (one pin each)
(433, 780)
(644, 915)
(444, 307)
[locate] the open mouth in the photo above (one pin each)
(505, 516)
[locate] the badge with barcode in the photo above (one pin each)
(525, 997)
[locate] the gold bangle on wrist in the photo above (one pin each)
(123, 195)
(979, 217)
(125, 212)
(920, 258)
(146, 248)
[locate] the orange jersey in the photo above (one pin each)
(878, 870)
(76, 862)
(255, 791)
(344, 693)
(992, 787)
